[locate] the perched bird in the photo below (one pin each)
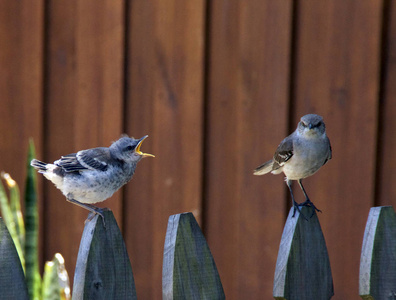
(300, 155)
(94, 175)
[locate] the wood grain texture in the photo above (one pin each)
(216, 85)
(103, 269)
(21, 87)
(303, 266)
(337, 53)
(247, 109)
(84, 102)
(189, 271)
(12, 278)
(21, 113)
(387, 111)
(164, 100)
(377, 276)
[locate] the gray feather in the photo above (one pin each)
(39, 165)
(91, 159)
(264, 168)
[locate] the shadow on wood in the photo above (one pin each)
(303, 267)
(377, 276)
(189, 270)
(12, 279)
(103, 269)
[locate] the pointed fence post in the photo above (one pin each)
(12, 279)
(189, 270)
(377, 276)
(103, 269)
(303, 267)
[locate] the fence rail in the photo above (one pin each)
(103, 269)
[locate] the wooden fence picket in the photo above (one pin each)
(103, 269)
(377, 276)
(12, 279)
(303, 268)
(189, 270)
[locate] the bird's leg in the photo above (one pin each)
(92, 208)
(307, 201)
(295, 204)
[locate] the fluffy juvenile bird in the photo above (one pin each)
(300, 155)
(93, 175)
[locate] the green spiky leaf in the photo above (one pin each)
(33, 278)
(11, 222)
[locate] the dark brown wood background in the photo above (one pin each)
(216, 85)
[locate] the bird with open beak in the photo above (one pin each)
(94, 175)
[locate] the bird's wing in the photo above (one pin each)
(91, 159)
(330, 153)
(283, 153)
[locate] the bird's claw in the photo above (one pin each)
(310, 204)
(296, 207)
(97, 211)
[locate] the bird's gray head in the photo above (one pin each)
(128, 149)
(311, 126)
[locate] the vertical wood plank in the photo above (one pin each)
(189, 270)
(377, 273)
(12, 278)
(21, 85)
(337, 76)
(387, 139)
(21, 37)
(84, 102)
(165, 101)
(248, 71)
(303, 266)
(103, 269)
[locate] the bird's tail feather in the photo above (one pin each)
(264, 168)
(39, 165)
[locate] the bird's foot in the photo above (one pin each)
(92, 208)
(296, 207)
(97, 211)
(310, 204)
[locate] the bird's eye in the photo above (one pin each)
(317, 125)
(303, 124)
(129, 148)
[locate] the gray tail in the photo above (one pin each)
(39, 165)
(264, 168)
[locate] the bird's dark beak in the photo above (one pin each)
(310, 126)
(137, 149)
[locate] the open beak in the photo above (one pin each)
(137, 149)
